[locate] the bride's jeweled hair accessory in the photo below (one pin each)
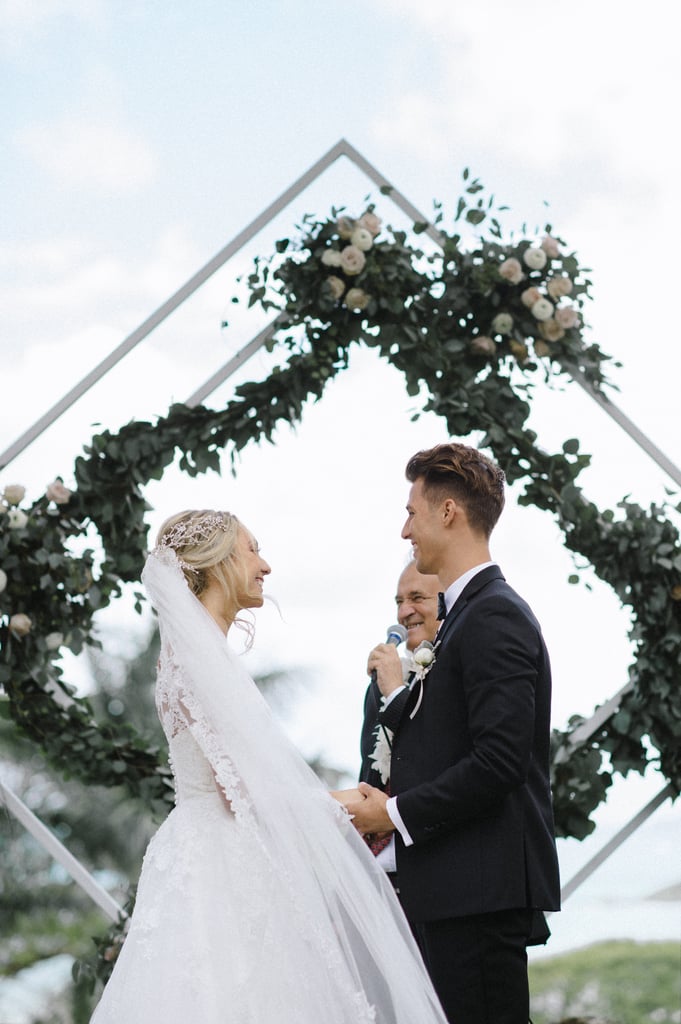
(192, 530)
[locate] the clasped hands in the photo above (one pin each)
(366, 806)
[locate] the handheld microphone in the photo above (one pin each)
(396, 635)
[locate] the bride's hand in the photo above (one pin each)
(345, 796)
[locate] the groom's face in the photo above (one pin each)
(423, 527)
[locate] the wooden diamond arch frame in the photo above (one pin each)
(115, 465)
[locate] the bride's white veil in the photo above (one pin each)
(342, 910)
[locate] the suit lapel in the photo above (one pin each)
(470, 591)
(472, 588)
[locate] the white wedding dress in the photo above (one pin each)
(258, 903)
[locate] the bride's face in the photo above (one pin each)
(255, 568)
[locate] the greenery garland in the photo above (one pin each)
(472, 331)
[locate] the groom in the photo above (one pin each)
(469, 772)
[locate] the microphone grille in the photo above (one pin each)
(397, 634)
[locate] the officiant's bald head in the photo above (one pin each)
(416, 601)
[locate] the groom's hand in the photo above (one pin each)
(368, 810)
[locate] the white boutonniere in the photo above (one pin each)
(380, 758)
(424, 659)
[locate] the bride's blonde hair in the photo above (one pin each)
(205, 542)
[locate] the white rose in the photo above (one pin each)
(14, 493)
(3, 580)
(550, 330)
(362, 238)
(17, 518)
(20, 624)
(542, 309)
(53, 641)
(331, 258)
(530, 296)
(567, 317)
(352, 260)
(557, 287)
(357, 298)
(502, 323)
(534, 258)
(345, 226)
(550, 246)
(336, 286)
(57, 493)
(424, 654)
(483, 345)
(511, 270)
(371, 222)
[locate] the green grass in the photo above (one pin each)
(622, 982)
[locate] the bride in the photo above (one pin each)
(258, 902)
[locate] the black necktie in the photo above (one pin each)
(441, 607)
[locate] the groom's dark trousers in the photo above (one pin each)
(470, 770)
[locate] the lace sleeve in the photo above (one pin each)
(178, 710)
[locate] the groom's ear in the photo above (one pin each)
(449, 511)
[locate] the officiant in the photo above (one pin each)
(416, 600)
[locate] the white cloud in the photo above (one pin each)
(85, 151)
(20, 19)
(543, 89)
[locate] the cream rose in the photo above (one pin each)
(335, 285)
(20, 624)
(557, 287)
(352, 260)
(371, 222)
(511, 270)
(483, 345)
(502, 323)
(567, 317)
(357, 298)
(345, 226)
(530, 296)
(53, 641)
(362, 238)
(424, 654)
(14, 493)
(57, 493)
(17, 518)
(3, 580)
(542, 309)
(331, 258)
(550, 246)
(551, 330)
(534, 258)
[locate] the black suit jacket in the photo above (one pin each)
(375, 717)
(471, 768)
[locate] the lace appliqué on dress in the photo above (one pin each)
(178, 710)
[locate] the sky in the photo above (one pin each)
(139, 138)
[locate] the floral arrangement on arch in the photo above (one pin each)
(346, 258)
(353, 278)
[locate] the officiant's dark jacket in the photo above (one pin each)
(470, 765)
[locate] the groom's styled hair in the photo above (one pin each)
(464, 474)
